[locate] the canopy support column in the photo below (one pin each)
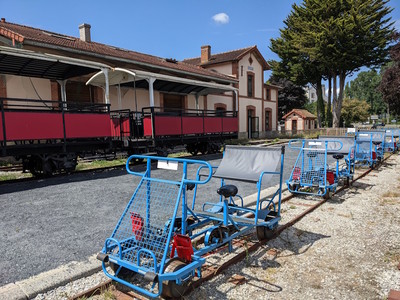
(119, 96)
(236, 100)
(63, 84)
(151, 90)
(107, 94)
(197, 101)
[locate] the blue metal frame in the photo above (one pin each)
(391, 140)
(370, 147)
(142, 256)
(346, 170)
(309, 174)
(137, 251)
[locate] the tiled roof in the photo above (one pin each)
(302, 112)
(30, 34)
(233, 55)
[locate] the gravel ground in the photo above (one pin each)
(349, 248)
(48, 223)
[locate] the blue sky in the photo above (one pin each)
(170, 29)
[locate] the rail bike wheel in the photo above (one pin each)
(123, 272)
(170, 289)
(328, 194)
(264, 233)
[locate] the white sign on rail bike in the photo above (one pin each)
(167, 165)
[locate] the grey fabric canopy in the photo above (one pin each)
(247, 163)
(365, 136)
(347, 142)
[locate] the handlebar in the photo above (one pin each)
(316, 142)
(184, 161)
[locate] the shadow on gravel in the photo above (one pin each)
(83, 176)
(295, 241)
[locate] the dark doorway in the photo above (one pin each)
(294, 126)
(173, 103)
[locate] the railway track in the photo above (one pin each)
(244, 245)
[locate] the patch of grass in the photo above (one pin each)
(391, 194)
(269, 274)
(392, 256)
(292, 207)
(100, 164)
(14, 175)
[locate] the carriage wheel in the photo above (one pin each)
(203, 148)
(348, 181)
(264, 233)
(170, 288)
(192, 149)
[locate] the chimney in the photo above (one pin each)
(84, 32)
(205, 54)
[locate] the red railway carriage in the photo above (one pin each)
(49, 135)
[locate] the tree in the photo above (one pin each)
(390, 84)
(332, 39)
(365, 87)
(289, 97)
(354, 110)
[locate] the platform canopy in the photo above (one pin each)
(157, 81)
(15, 61)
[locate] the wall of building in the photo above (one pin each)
(225, 68)
(212, 100)
(255, 68)
(271, 105)
(24, 88)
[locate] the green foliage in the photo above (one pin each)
(365, 87)
(311, 107)
(289, 97)
(354, 110)
(323, 39)
(389, 86)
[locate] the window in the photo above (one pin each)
(241, 71)
(220, 111)
(268, 94)
(250, 85)
(267, 120)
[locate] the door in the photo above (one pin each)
(173, 103)
(252, 124)
(294, 126)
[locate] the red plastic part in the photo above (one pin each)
(296, 173)
(137, 225)
(183, 246)
(330, 177)
(373, 155)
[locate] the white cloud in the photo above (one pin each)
(221, 18)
